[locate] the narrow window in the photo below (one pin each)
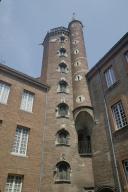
(27, 101)
(63, 172)
(21, 141)
(63, 85)
(76, 51)
(4, 92)
(119, 115)
(110, 77)
(126, 56)
(63, 68)
(62, 52)
(62, 137)
(62, 39)
(78, 77)
(63, 110)
(14, 183)
(125, 163)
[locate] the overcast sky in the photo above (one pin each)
(24, 24)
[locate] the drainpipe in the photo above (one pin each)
(110, 135)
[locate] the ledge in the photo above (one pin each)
(85, 154)
(62, 181)
(62, 144)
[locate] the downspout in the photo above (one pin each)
(110, 135)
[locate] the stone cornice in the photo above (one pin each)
(24, 77)
(123, 41)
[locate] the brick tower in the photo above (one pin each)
(66, 162)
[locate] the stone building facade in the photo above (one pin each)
(67, 130)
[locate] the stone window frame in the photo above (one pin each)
(66, 68)
(119, 115)
(62, 38)
(80, 99)
(76, 51)
(110, 76)
(5, 90)
(66, 114)
(27, 101)
(77, 63)
(62, 172)
(78, 77)
(61, 142)
(62, 52)
(60, 89)
(123, 99)
(20, 138)
(14, 182)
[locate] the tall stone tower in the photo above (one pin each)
(67, 154)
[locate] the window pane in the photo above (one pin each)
(110, 77)
(20, 141)
(13, 184)
(4, 92)
(27, 101)
(119, 115)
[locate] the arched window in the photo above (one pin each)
(62, 39)
(62, 172)
(62, 137)
(62, 52)
(63, 68)
(63, 110)
(63, 87)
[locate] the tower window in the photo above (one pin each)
(80, 99)
(126, 56)
(21, 141)
(62, 39)
(78, 77)
(27, 101)
(62, 172)
(62, 52)
(14, 183)
(62, 110)
(119, 115)
(4, 92)
(62, 137)
(76, 51)
(110, 77)
(77, 63)
(63, 68)
(125, 164)
(63, 86)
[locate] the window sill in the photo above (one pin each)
(62, 144)
(4, 104)
(62, 181)
(66, 117)
(112, 86)
(64, 92)
(29, 112)
(18, 155)
(85, 154)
